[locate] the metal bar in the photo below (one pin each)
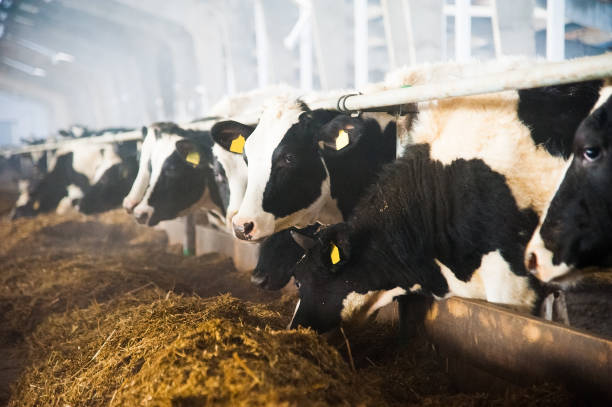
(519, 347)
(189, 240)
(361, 42)
(109, 138)
(306, 49)
(463, 30)
(409, 31)
(544, 74)
(261, 45)
(495, 29)
(555, 30)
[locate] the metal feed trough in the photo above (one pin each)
(516, 347)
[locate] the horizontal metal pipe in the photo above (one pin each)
(544, 74)
(519, 347)
(540, 74)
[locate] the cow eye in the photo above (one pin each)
(592, 153)
(289, 159)
(298, 284)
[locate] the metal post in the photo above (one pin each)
(306, 50)
(361, 42)
(261, 44)
(463, 30)
(555, 30)
(189, 240)
(410, 31)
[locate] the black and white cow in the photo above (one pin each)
(308, 165)
(576, 229)
(176, 174)
(73, 172)
(498, 130)
(428, 227)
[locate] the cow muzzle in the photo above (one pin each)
(129, 204)
(244, 231)
(143, 214)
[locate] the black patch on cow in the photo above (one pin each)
(578, 225)
(553, 113)
(296, 168)
(223, 133)
(108, 192)
(356, 167)
(418, 211)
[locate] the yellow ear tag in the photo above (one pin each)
(342, 140)
(36, 205)
(193, 158)
(237, 145)
(335, 254)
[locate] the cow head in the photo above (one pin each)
(229, 137)
(175, 171)
(278, 255)
(288, 180)
(577, 228)
(333, 287)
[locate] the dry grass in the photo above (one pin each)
(99, 311)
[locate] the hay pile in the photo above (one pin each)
(99, 311)
(183, 351)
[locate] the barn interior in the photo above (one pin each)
(101, 310)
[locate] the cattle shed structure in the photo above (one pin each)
(484, 348)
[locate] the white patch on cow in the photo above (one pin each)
(67, 203)
(415, 288)
(141, 182)
(297, 307)
(163, 148)
(87, 158)
(236, 172)
(24, 192)
(487, 127)
(545, 269)
(493, 281)
(356, 308)
(470, 289)
(604, 94)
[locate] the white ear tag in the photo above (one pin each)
(342, 140)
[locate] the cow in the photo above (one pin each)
(72, 172)
(228, 167)
(308, 165)
(441, 124)
(175, 175)
(427, 227)
(576, 229)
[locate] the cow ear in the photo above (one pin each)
(303, 240)
(144, 130)
(341, 134)
(190, 153)
(336, 245)
(231, 135)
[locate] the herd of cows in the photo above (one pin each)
(498, 197)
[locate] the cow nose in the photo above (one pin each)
(142, 218)
(532, 263)
(243, 231)
(259, 280)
